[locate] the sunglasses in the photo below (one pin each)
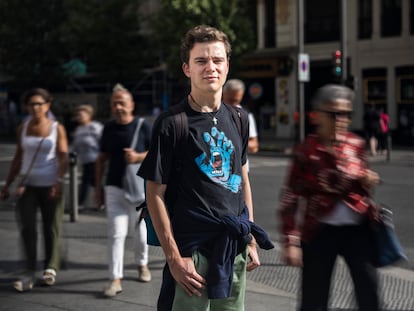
(339, 114)
(36, 104)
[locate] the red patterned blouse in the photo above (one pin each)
(323, 176)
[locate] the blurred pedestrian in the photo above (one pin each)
(383, 136)
(330, 175)
(68, 121)
(39, 165)
(206, 237)
(233, 92)
(115, 148)
(372, 128)
(86, 145)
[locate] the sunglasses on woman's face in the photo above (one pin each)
(33, 104)
(339, 114)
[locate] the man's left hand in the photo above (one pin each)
(254, 258)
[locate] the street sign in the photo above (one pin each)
(303, 67)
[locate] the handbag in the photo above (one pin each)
(388, 249)
(133, 184)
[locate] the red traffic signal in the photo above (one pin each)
(337, 62)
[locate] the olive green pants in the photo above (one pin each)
(183, 302)
(52, 215)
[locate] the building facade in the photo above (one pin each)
(379, 60)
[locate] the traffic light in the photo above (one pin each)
(337, 63)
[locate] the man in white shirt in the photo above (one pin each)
(233, 92)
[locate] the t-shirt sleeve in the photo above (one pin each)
(158, 162)
(146, 132)
(103, 143)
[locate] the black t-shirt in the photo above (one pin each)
(211, 176)
(116, 137)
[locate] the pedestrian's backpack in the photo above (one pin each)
(239, 116)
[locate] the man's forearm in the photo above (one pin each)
(247, 192)
(161, 220)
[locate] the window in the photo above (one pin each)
(391, 18)
(405, 89)
(375, 89)
(321, 21)
(374, 85)
(364, 19)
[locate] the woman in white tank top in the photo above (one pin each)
(40, 161)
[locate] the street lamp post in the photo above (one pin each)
(301, 95)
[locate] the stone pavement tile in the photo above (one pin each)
(260, 297)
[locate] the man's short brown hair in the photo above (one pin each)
(199, 34)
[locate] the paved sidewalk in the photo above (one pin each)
(79, 285)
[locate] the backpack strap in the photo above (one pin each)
(180, 137)
(241, 118)
(180, 122)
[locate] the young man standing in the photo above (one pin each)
(206, 232)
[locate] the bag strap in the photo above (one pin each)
(34, 158)
(136, 133)
(180, 122)
(240, 117)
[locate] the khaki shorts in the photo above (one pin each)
(183, 302)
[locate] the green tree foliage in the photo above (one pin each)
(38, 37)
(30, 39)
(177, 16)
(106, 34)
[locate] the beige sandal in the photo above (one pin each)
(49, 277)
(24, 284)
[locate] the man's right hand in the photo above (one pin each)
(185, 274)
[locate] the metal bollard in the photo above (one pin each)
(389, 147)
(73, 187)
